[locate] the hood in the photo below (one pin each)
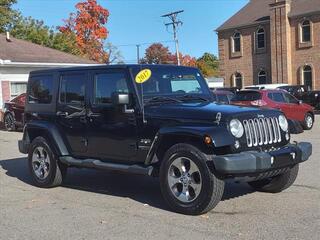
(206, 111)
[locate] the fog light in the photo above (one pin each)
(272, 160)
(237, 144)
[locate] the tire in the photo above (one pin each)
(276, 184)
(308, 121)
(204, 190)
(9, 122)
(45, 170)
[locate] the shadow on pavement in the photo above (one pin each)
(145, 190)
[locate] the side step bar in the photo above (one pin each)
(97, 164)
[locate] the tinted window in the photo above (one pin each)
(277, 97)
(247, 96)
(105, 84)
(72, 89)
(290, 99)
(41, 88)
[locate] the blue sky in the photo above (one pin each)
(139, 21)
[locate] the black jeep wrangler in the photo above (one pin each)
(158, 121)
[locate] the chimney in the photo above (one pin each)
(8, 36)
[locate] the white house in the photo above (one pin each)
(19, 57)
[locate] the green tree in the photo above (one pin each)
(7, 14)
(208, 65)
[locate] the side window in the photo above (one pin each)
(105, 84)
(290, 99)
(40, 89)
(277, 97)
(72, 89)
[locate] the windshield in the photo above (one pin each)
(171, 81)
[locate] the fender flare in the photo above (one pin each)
(220, 136)
(51, 132)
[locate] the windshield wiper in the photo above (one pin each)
(193, 97)
(162, 99)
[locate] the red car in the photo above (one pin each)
(13, 113)
(279, 99)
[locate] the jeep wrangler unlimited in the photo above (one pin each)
(158, 121)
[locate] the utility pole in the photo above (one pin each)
(138, 53)
(175, 24)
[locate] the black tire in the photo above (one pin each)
(308, 117)
(57, 170)
(211, 190)
(276, 184)
(9, 122)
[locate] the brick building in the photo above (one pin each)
(19, 57)
(272, 41)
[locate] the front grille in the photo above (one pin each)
(262, 131)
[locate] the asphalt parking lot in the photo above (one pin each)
(97, 205)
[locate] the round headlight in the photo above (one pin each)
(283, 123)
(236, 128)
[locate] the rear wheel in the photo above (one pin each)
(9, 122)
(45, 170)
(187, 184)
(278, 183)
(308, 121)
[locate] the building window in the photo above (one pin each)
(305, 31)
(17, 88)
(261, 38)
(237, 80)
(307, 76)
(262, 77)
(236, 42)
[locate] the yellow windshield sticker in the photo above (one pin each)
(143, 76)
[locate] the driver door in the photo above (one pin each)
(112, 132)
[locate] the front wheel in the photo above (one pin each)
(45, 170)
(308, 121)
(278, 183)
(186, 182)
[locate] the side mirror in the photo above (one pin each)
(120, 98)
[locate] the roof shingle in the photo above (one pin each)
(259, 10)
(18, 50)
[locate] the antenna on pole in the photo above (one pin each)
(175, 24)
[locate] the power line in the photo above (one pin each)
(175, 24)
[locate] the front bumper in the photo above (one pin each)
(254, 162)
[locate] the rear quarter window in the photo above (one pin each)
(247, 96)
(40, 89)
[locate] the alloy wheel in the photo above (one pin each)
(184, 179)
(309, 121)
(9, 122)
(40, 163)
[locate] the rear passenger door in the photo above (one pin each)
(71, 110)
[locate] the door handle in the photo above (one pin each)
(94, 115)
(62, 114)
(83, 119)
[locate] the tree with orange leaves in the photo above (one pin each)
(87, 26)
